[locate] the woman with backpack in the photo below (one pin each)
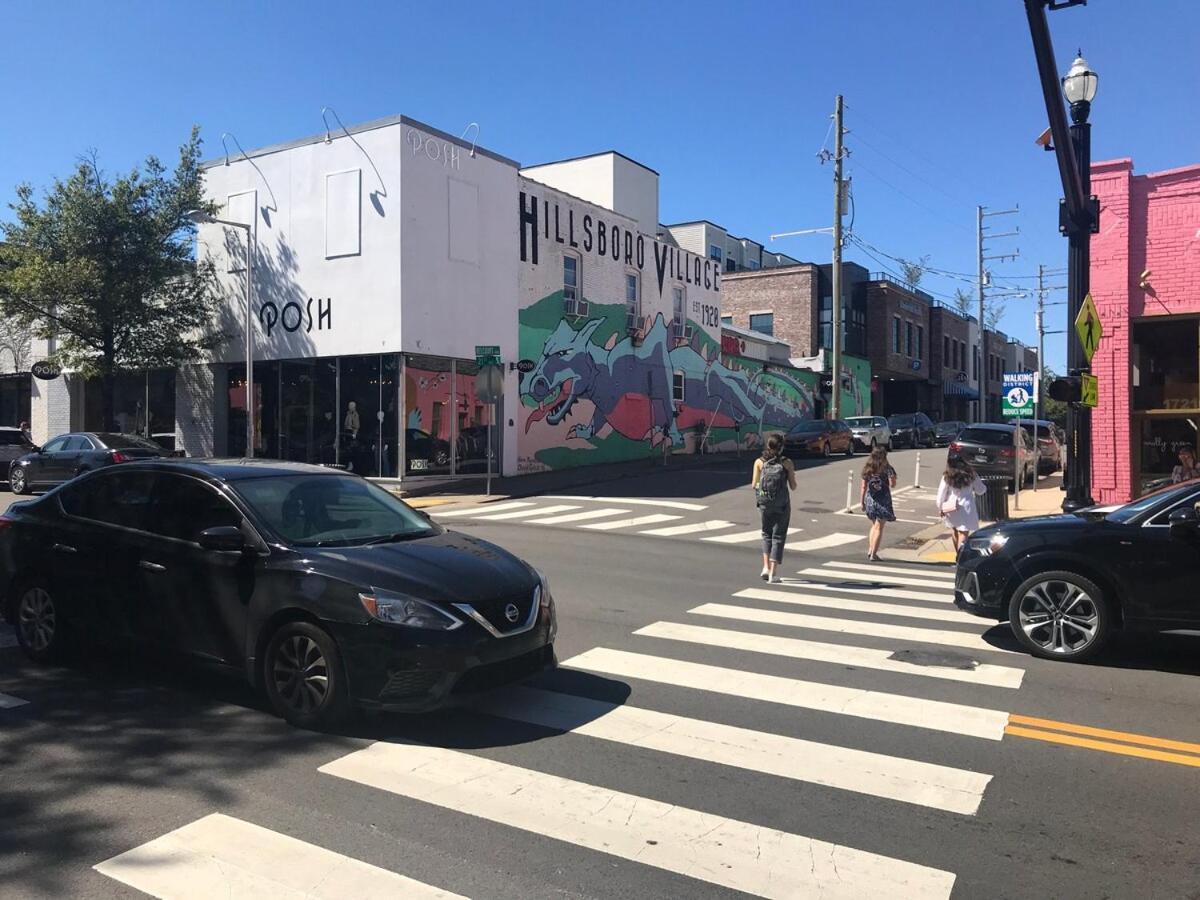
(774, 476)
(956, 501)
(878, 479)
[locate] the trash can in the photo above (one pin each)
(993, 505)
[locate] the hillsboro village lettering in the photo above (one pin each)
(295, 316)
(549, 220)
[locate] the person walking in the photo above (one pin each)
(1187, 468)
(774, 477)
(878, 479)
(956, 500)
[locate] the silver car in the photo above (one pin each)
(870, 432)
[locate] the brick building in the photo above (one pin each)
(780, 302)
(950, 351)
(1145, 281)
(898, 346)
(994, 355)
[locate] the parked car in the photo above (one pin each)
(819, 437)
(1066, 583)
(166, 440)
(1049, 444)
(992, 450)
(68, 455)
(424, 451)
(13, 445)
(911, 430)
(321, 588)
(870, 432)
(945, 432)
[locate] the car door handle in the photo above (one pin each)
(63, 548)
(151, 566)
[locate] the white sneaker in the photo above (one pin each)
(775, 579)
(764, 575)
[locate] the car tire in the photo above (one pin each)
(42, 632)
(850, 448)
(303, 677)
(826, 451)
(17, 481)
(1031, 616)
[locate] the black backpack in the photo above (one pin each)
(773, 484)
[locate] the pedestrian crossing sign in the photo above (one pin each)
(1088, 327)
(1089, 390)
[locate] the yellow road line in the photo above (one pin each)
(1124, 736)
(1106, 746)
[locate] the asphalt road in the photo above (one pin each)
(840, 733)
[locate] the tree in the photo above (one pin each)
(962, 302)
(914, 270)
(993, 314)
(15, 341)
(106, 267)
(1054, 410)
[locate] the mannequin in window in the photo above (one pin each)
(351, 423)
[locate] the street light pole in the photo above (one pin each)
(199, 217)
(835, 394)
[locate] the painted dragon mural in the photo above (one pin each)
(630, 387)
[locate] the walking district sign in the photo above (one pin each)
(1088, 327)
(1019, 390)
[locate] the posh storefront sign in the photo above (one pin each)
(549, 220)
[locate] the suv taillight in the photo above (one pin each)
(1007, 451)
(119, 457)
(955, 445)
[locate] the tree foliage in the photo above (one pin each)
(106, 268)
(993, 314)
(914, 270)
(962, 302)
(1054, 410)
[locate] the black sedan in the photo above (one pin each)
(323, 589)
(911, 430)
(1065, 583)
(68, 455)
(13, 445)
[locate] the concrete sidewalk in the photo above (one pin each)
(933, 544)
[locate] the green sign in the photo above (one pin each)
(487, 355)
(1017, 399)
(1089, 390)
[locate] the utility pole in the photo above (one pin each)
(1039, 320)
(981, 280)
(836, 374)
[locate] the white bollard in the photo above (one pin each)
(917, 473)
(850, 492)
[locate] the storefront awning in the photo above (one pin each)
(959, 389)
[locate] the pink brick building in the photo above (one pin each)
(1145, 281)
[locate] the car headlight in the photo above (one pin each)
(541, 593)
(987, 546)
(401, 609)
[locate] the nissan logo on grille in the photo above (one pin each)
(512, 613)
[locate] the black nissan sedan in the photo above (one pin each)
(68, 455)
(1065, 583)
(321, 588)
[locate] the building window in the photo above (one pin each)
(677, 385)
(731, 265)
(726, 320)
(714, 252)
(633, 301)
(679, 312)
(573, 302)
(752, 264)
(946, 351)
(920, 342)
(975, 363)
(763, 323)
(895, 334)
(957, 355)
(908, 339)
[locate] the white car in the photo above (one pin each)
(870, 432)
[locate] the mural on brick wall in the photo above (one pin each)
(856, 386)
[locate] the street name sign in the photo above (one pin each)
(487, 355)
(1017, 400)
(1088, 327)
(1089, 390)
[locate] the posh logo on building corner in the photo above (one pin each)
(605, 240)
(293, 316)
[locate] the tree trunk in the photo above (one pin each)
(108, 391)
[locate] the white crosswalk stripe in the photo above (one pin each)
(837, 539)
(525, 513)
(7, 701)
(579, 516)
(939, 595)
(973, 671)
(883, 578)
(925, 784)
(482, 509)
(632, 523)
(934, 573)
(220, 856)
(910, 633)
(743, 537)
(723, 851)
(635, 501)
(939, 614)
(894, 708)
(692, 528)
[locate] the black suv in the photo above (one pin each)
(911, 430)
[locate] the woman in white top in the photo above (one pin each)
(956, 500)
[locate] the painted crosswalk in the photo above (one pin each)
(737, 647)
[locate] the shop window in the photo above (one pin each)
(143, 404)
(308, 411)
(1165, 365)
(1161, 439)
(763, 323)
(428, 393)
(473, 418)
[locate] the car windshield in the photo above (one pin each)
(330, 510)
(9, 438)
(901, 421)
(812, 427)
(1166, 496)
(986, 436)
(860, 422)
(1042, 430)
(127, 442)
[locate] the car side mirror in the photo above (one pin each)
(1184, 522)
(223, 538)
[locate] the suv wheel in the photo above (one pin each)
(303, 676)
(825, 451)
(16, 480)
(1060, 615)
(41, 631)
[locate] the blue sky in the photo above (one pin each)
(729, 102)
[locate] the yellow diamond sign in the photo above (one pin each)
(1088, 327)
(1089, 391)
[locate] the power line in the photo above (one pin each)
(905, 168)
(908, 196)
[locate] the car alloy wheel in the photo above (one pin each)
(1059, 615)
(39, 630)
(303, 676)
(16, 480)
(825, 450)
